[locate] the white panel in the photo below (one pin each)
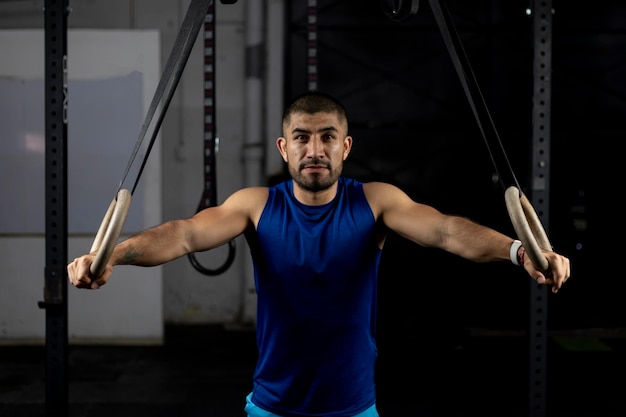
(130, 306)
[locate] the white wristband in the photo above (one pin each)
(513, 252)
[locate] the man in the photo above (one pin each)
(316, 243)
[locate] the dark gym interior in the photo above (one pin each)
(453, 336)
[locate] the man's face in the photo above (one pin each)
(314, 148)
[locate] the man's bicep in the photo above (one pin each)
(417, 222)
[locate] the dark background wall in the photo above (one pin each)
(413, 127)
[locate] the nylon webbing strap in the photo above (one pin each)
(170, 77)
(472, 91)
(209, 193)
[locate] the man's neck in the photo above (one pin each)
(314, 198)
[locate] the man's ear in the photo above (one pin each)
(281, 144)
(347, 146)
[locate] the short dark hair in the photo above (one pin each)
(314, 102)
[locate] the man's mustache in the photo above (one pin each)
(316, 162)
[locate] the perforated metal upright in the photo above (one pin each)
(209, 196)
(55, 289)
(540, 199)
(311, 67)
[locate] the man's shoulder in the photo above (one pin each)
(249, 201)
(381, 194)
(377, 186)
(254, 196)
(254, 193)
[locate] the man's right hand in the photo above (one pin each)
(80, 276)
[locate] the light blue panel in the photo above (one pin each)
(104, 121)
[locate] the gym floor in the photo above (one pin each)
(206, 371)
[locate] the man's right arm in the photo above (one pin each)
(207, 229)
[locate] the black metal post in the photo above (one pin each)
(540, 199)
(55, 289)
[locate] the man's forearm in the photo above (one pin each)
(153, 246)
(477, 242)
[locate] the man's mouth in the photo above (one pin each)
(314, 168)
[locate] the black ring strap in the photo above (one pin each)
(170, 77)
(209, 194)
(472, 91)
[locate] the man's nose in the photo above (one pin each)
(316, 147)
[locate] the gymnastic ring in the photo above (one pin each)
(399, 10)
(528, 227)
(109, 231)
(217, 271)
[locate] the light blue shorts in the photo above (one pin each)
(253, 411)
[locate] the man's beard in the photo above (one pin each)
(314, 182)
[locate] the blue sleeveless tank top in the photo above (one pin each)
(315, 270)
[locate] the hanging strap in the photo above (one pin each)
(523, 216)
(115, 217)
(169, 81)
(209, 194)
(473, 93)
